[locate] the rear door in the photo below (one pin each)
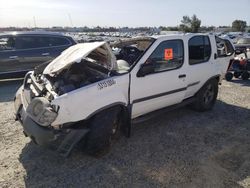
(225, 51)
(200, 63)
(31, 51)
(57, 44)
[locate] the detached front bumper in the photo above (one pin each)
(62, 141)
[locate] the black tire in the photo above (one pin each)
(237, 74)
(245, 75)
(98, 140)
(206, 96)
(229, 76)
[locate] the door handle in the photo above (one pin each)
(13, 57)
(45, 54)
(182, 76)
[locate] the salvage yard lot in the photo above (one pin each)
(182, 148)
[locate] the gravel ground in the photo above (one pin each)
(180, 149)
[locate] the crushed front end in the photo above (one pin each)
(34, 111)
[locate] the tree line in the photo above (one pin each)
(193, 25)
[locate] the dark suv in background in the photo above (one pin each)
(20, 52)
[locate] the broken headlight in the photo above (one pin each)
(41, 111)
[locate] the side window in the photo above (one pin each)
(199, 49)
(229, 48)
(168, 55)
(224, 47)
(26, 42)
(58, 41)
(7, 43)
(42, 42)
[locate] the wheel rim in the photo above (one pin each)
(209, 94)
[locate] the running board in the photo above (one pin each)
(153, 114)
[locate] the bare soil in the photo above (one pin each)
(180, 149)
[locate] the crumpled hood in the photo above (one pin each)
(76, 53)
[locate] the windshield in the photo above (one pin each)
(129, 51)
(244, 41)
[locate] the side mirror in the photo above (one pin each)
(145, 70)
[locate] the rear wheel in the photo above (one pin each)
(206, 97)
(229, 76)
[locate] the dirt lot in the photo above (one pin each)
(180, 149)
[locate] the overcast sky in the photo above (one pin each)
(120, 12)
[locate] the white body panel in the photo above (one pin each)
(81, 103)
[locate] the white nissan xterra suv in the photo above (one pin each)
(92, 91)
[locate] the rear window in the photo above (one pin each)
(224, 47)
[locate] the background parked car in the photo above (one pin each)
(242, 45)
(20, 52)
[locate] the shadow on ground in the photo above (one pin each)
(8, 89)
(180, 149)
(241, 82)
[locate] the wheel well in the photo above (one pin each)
(217, 78)
(124, 114)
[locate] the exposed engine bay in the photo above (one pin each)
(76, 76)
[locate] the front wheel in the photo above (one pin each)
(206, 96)
(104, 127)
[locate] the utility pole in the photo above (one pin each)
(34, 19)
(70, 20)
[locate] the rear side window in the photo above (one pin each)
(199, 49)
(168, 55)
(58, 41)
(51, 41)
(7, 43)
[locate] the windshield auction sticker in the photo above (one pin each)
(168, 54)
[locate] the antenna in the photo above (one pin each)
(70, 20)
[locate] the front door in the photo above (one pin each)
(31, 51)
(165, 85)
(8, 56)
